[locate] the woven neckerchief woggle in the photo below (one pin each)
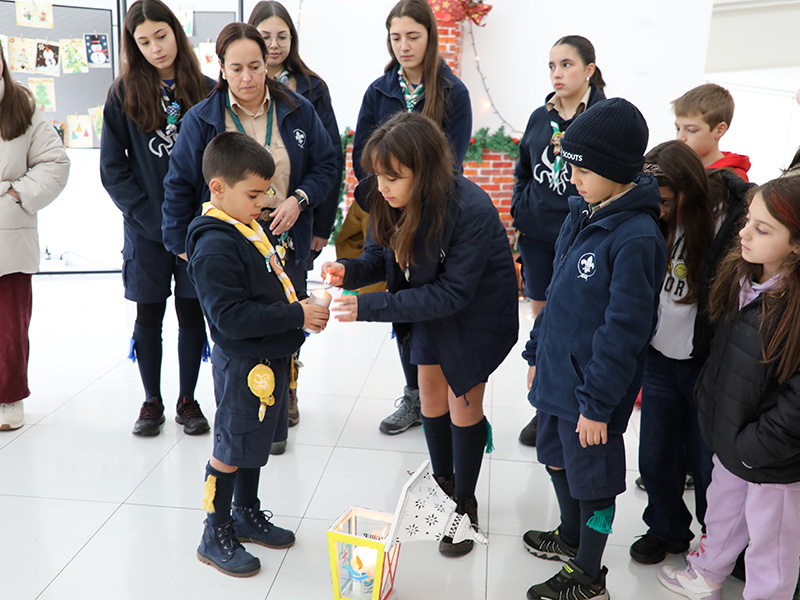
(172, 109)
(261, 379)
(411, 98)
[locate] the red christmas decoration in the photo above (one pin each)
(457, 10)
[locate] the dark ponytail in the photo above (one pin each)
(586, 53)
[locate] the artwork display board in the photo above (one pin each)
(68, 78)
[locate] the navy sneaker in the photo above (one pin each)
(151, 417)
(251, 524)
(548, 545)
(220, 549)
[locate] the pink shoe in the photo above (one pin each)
(688, 582)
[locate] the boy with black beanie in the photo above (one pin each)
(587, 347)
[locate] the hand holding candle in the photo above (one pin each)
(333, 273)
(315, 311)
(346, 308)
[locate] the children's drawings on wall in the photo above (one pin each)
(33, 14)
(79, 131)
(61, 130)
(22, 54)
(44, 93)
(209, 63)
(97, 50)
(96, 116)
(47, 58)
(73, 56)
(186, 19)
(4, 44)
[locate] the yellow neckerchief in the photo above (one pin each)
(255, 234)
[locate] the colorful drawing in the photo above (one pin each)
(44, 93)
(209, 63)
(97, 49)
(73, 56)
(33, 14)
(96, 115)
(61, 128)
(79, 131)
(186, 19)
(47, 58)
(22, 54)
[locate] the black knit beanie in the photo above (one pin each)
(609, 139)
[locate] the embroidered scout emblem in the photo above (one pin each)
(300, 137)
(261, 381)
(586, 266)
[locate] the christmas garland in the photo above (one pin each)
(495, 142)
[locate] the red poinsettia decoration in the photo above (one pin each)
(458, 10)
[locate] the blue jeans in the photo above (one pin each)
(670, 442)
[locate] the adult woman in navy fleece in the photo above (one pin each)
(416, 79)
(539, 202)
(443, 252)
(159, 74)
(285, 65)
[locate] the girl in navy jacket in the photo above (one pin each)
(416, 80)
(438, 242)
(285, 65)
(160, 81)
(748, 396)
(539, 202)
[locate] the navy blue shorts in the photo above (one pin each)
(537, 266)
(594, 472)
(240, 439)
(422, 352)
(148, 270)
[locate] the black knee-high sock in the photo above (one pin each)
(439, 437)
(221, 497)
(409, 369)
(596, 519)
(190, 354)
(245, 492)
(148, 352)
(570, 527)
(469, 444)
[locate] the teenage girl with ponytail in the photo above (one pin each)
(539, 202)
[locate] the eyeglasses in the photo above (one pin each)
(282, 40)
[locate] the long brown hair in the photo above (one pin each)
(698, 206)
(243, 31)
(432, 75)
(142, 101)
(16, 106)
(294, 64)
(780, 327)
(417, 143)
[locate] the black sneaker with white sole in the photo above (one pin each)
(548, 545)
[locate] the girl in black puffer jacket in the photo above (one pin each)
(748, 397)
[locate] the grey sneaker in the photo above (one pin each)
(406, 415)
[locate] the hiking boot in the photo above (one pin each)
(465, 506)
(250, 524)
(406, 415)
(571, 582)
(688, 582)
(12, 415)
(548, 545)
(222, 551)
(294, 412)
(649, 549)
(191, 417)
(278, 447)
(151, 417)
(528, 434)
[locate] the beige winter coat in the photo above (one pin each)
(35, 164)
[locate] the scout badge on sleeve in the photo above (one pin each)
(261, 381)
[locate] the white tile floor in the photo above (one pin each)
(89, 511)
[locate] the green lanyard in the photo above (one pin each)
(238, 123)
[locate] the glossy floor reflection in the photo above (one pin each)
(89, 511)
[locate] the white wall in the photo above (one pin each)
(649, 52)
